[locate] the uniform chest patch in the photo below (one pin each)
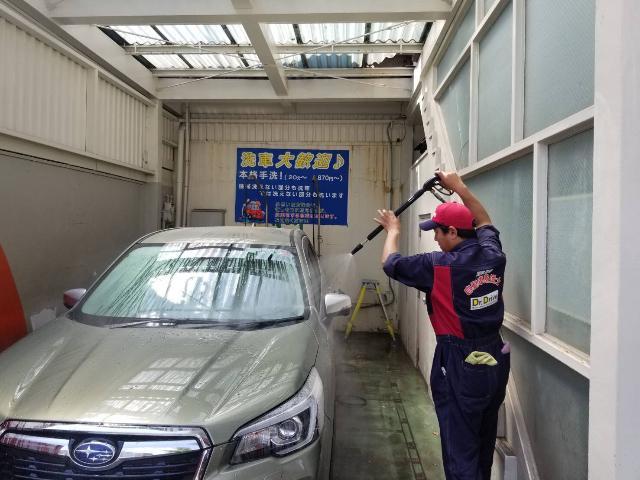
(482, 279)
(484, 301)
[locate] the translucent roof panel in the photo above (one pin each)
(239, 34)
(383, 32)
(182, 34)
(282, 33)
(140, 34)
(375, 58)
(334, 60)
(215, 34)
(221, 61)
(290, 60)
(332, 32)
(166, 61)
(191, 34)
(214, 61)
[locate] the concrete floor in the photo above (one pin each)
(385, 423)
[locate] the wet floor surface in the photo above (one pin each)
(385, 423)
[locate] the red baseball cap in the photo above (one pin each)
(450, 214)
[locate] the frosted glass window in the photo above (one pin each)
(455, 109)
(507, 194)
(559, 60)
(555, 404)
(494, 87)
(569, 240)
(458, 42)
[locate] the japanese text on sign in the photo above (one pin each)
(292, 186)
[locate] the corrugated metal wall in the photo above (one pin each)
(42, 91)
(168, 151)
(121, 121)
(169, 128)
(212, 183)
(288, 128)
(53, 96)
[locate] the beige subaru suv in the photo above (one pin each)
(201, 353)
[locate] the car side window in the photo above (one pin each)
(314, 270)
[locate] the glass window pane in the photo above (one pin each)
(559, 60)
(569, 240)
(458, 42)
(494, 87)
(455, 109)
(507, 194)
(555, 404)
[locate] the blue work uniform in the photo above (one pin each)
(464, 301)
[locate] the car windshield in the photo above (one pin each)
(199, 283)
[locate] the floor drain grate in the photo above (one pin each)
(414, 456)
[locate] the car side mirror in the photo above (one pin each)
(73, 296)
(337, 304)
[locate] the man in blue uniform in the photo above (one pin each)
(464, 284)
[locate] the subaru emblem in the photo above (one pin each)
(94, 453)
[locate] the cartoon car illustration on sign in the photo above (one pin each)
(252, 209)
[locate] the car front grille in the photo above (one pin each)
(46, 451)
(17, 464)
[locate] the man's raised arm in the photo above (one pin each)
(452, 181)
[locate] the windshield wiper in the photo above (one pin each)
(236, 325)
(157, 323)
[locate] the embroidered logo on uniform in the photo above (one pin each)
(484, 301)
(482, 280)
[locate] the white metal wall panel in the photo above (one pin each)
(168, 157)
(168, 149)
(297, 130)
(168, 165)
(121, 121)
(170, 129)
(42, 91)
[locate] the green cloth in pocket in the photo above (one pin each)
(481, 358)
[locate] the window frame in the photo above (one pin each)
(536, 143)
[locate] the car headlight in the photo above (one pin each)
(290, 427)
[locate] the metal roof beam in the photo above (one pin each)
(397, 72)
(262, 43)
(310, 48)
(251, 90)
(148, 12)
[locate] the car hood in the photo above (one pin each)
(213, 378)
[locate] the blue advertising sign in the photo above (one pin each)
(291, 186)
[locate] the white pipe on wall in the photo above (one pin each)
(179, 175)
(187, 165)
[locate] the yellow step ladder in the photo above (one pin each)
(373, 285)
